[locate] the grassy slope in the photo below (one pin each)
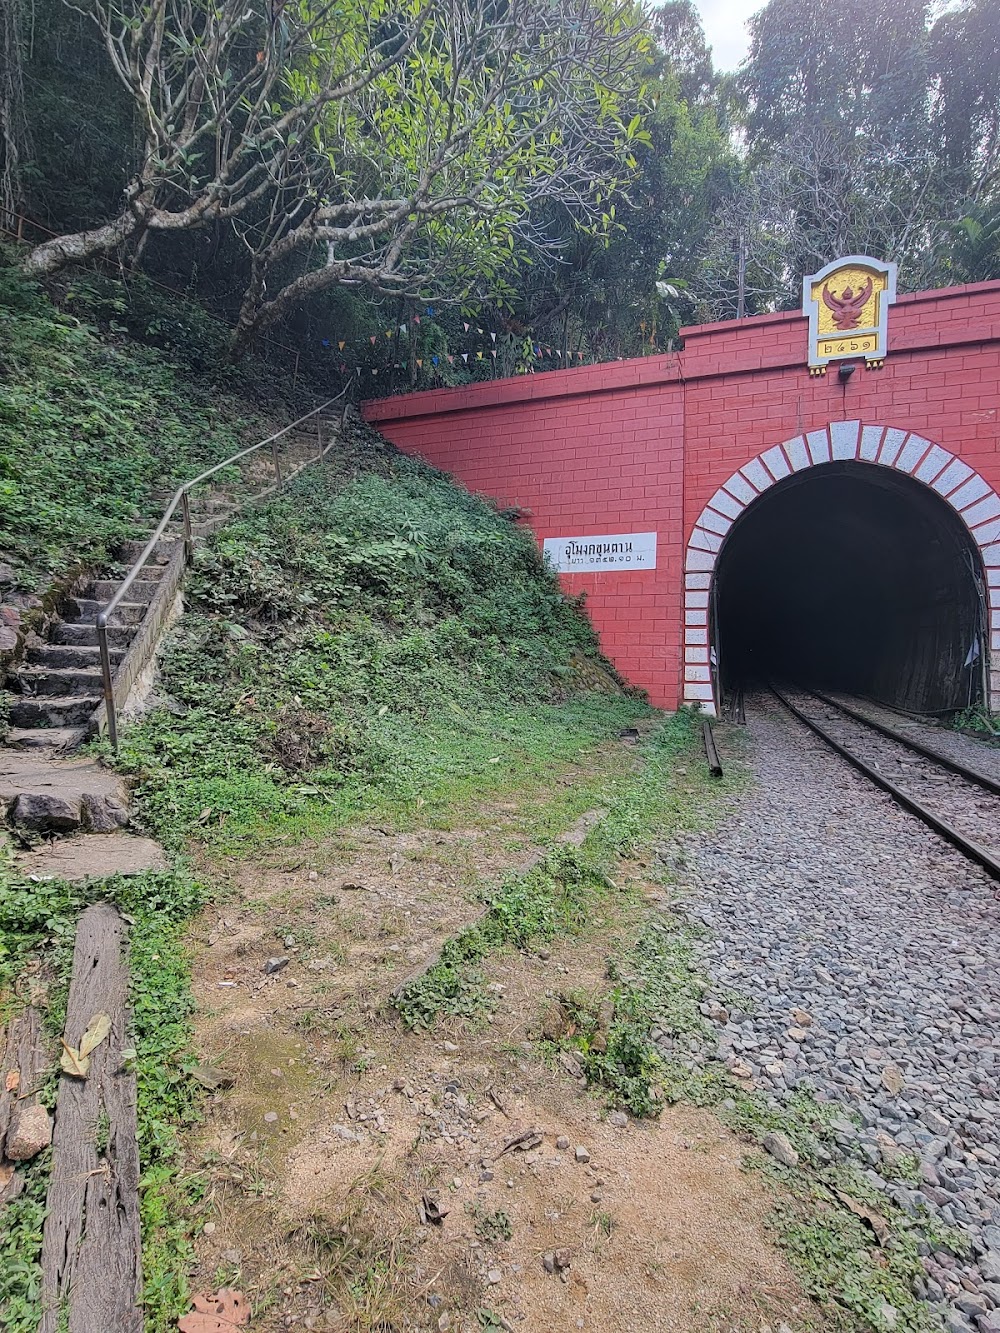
(92, 423)
(375, 639)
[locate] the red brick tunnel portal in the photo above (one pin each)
(855, 578)
(729, 514)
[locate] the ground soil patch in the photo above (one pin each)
(344, 1134)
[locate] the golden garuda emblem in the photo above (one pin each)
(847, 305)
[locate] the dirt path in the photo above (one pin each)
(356, 1172)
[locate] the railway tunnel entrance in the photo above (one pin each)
(852, 577)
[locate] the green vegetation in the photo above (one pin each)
(92, 427)
(860, 1285)
(560, 893)
(379, 644)
(38, 923)
(975, 719)
(492, 1226)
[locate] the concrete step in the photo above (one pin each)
(53, 710)
(125, 613)
(60, 796)
(47, 680)
(71, 655)
(83, 634)
(45, 738)
(142, 590)
(162, 551)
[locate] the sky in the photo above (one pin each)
(723, 21)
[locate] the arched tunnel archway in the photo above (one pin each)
(854, 577)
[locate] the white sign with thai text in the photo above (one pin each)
(585, 555)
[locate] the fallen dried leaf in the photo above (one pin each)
(212, 1078)
(875, 1220)
(13, 1080)
(97, 1029)
(530, 1138)
(227, 1309)
(73, 1063)
(432, 1209)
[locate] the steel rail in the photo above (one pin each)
(967, 846)
(952, 765)
(182, 497)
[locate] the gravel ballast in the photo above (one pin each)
(820, 895)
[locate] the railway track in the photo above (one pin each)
(961, 804)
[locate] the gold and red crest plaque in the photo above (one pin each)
(847, 304)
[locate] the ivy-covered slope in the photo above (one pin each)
(96, 423)
(374, 634)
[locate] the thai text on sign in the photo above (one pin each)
(619, 551)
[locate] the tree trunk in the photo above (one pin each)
(51, 256)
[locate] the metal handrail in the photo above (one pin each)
(182, 497)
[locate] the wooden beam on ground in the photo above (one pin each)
(711, 753)
(91, 1254)
(26, 1058)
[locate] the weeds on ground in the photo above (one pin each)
(363, 1268)
(559, 895)
(37, 926)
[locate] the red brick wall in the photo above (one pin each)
(642, 445)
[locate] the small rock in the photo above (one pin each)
(892, 1080)
(781, 1150)
(231, 1256)
(444, 1322)
(562, 1142)
(971, 1303)
(275, 965)
(618, 1119)
(935, 1122)
(209, 1228)
(30, 1132)
(563, 1259)
(450, 1048)
(549, 1261)
(802, 1017)
(312, 877)
(888, 1316)
(494, 1276)
(596, 1196)
(582, 1155)
(47, 812)
(270, 1117)
(797, 1034)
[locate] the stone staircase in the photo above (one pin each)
(55, 693)
(57, 689)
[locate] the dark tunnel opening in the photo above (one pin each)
(856, 578)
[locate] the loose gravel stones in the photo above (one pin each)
(868, 953)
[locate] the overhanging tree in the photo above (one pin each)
(398, 147)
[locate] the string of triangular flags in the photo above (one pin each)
(516, 349)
